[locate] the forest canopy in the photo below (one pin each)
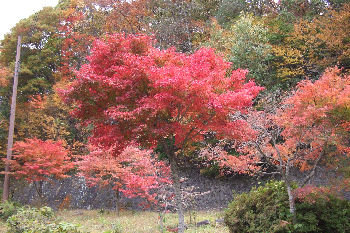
(250, 86)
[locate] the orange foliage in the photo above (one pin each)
(4, 76)
(317, 116)
(37, 160)
(312, 126)
(43, 117)
(325, 40)
(65, 202)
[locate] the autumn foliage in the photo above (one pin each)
(133, 91)
(310, 128)
(318, 117)
(4, 75)
(312, 125)
(325, 40)
(126, 99)
(134, 172)
(37, 160)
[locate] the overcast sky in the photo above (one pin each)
(12, 11)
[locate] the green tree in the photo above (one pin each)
(40, 56)
(246, 45)
(303, 8)
(173, 24)
(230, 10)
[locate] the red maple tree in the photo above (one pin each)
(36, 160)
(131, 91)
(133, 172)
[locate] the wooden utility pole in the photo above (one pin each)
(5, 194)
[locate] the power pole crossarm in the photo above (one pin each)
(5, 194)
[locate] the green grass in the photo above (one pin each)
(3, 228)
(95, 221)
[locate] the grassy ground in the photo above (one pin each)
(97, 221)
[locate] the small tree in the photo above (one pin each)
(311, 127)
(131, 91)
(166, 201)
(133, 172)
(36, 161)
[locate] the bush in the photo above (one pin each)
(260, 210)
(32, 220)
(266, 209)
(8, 209)
(324, 214)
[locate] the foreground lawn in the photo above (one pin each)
(136, 222)
(98, 221)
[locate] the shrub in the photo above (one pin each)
(32, 220)
(64, 227)
(266, 209)
(8, 209)
(326, 213)
(260, 210)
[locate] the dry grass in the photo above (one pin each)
(97, 221)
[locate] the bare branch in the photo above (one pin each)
(312, 173)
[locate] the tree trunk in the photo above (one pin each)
(39, 189)
(291, 201)
(290, 192)
(177, 188)
(117, 204)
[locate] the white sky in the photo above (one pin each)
(12, 11)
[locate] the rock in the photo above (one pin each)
(202, 223)
(78, 213)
